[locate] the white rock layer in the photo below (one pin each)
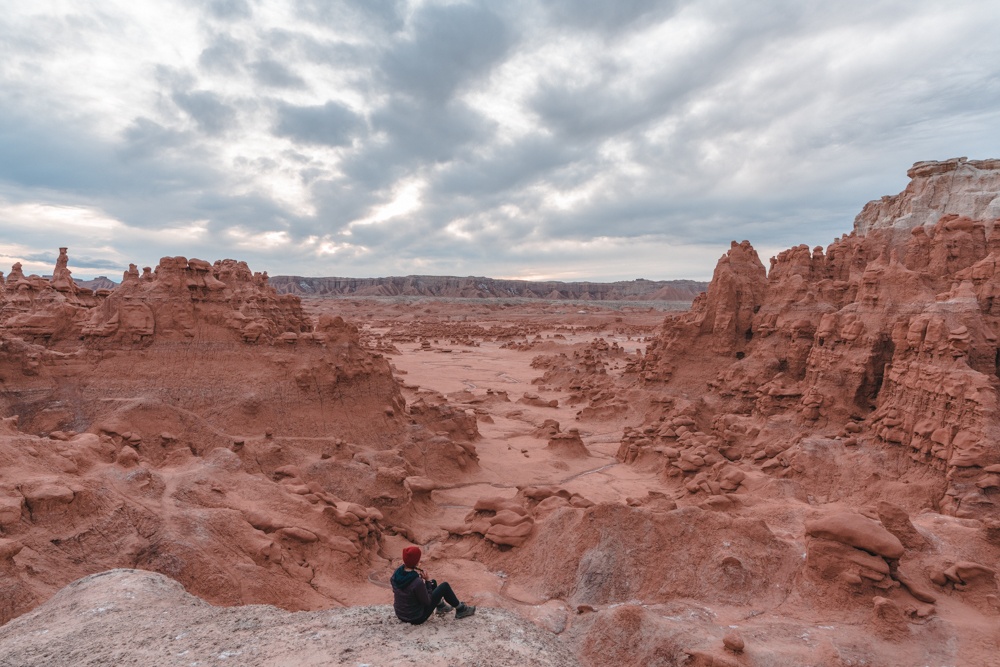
(959, 186)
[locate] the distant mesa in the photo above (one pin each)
(683, 291)
(100, 282)
(473, 287)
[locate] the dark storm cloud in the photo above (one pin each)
(207, 109)
(451, 45)
(254, 212)
(275, 74)
(331, 124)
(46, 257)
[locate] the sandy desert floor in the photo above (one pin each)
(461, 365)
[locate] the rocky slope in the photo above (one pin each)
(876, 340)
(193, 412)
(130, 617)
(487, 288)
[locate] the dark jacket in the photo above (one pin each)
(410, 596)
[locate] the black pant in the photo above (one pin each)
(440, 592)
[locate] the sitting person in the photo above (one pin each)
(415, 597)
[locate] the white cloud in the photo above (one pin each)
(405, 198)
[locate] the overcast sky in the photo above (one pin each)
(564, 139)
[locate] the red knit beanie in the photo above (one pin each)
(411, 556)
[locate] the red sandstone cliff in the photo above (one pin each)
(879, 340)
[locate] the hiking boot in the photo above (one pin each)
(443, 608)
(464, 610)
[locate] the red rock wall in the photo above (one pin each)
(194, 422)
(881, 339)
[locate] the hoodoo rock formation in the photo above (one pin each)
(193, 411)
(871, 341)
(858, 374)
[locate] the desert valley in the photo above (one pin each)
(800, 468)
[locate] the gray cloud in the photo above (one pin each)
(76, 262)
(225, 54)
(207, 109)
(275, 74)
(229, 9)
(331, 124)
(507, 167)
(451, 45)
(145, 138)
(602, 16)
(360, 15)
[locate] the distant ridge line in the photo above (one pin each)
(491, 288)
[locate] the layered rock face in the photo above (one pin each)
(878, 340)
(968, 188)
(490, 288)
(194, 412)
(187, 299)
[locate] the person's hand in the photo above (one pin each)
(423, 575)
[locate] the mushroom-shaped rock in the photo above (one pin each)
(9, 549)
(513, 536)
(127, 457)
(549, 505)
(733, 641)
(509, 518)
(888, 619)
(966, 572)
(915, 589)
(897, 521)
(498, 504)
(10, 509)
(539, 493)
(262, 521)
(420, 485)
(298, 534)
(46, 493)
(343, 545)
(857, 531)
(568, 445)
